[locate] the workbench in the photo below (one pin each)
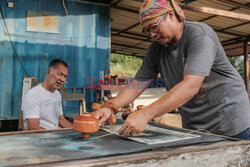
(65, 147)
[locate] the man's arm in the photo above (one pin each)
(124, 97)
(176, 97)
(34, 124)
(63, 122)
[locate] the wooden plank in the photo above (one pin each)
(215, 11)
(240, 5)
(246, 65)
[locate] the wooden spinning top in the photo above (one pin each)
(86, 124)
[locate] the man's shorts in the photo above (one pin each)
(244, 135)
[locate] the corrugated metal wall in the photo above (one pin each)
(82, 39)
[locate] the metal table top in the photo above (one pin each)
(39, 148)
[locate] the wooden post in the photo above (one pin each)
(246, 66)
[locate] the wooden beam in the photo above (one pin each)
(214, 11)
(130, 27)
(229, 33)
(233, 55)
(115, 3)
(210, 17)
(133, 54)
(237, 47)
(126, 9)
(130, 33)
(237, 25)
(129, 37)
(234, 41)
(246, 66)
(128, 46)
(240, 5)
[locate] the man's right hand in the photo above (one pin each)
(102, 115)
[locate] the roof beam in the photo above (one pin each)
(130, 27)
(235, 55)
(229, 33)
(234, 26)
(240, 5)
(214, 11)
(128, 46)
(130, 33)
(126, 9)
(217, 30)
(234, 41)
(246, 65)
(133, 54)
(233, 48)
(135, 38)
(210, 17)
(115, 3)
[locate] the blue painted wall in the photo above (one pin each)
(85, 43)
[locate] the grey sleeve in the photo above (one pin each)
(200, 56)
(149, 68)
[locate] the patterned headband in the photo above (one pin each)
(153, 8)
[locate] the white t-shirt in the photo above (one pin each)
(43, 104)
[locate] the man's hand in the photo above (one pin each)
(134, 124)
(102, 115)
(63, 122)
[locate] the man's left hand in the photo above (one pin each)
(134, 124)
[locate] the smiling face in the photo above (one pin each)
(167, 29)
(56, 77)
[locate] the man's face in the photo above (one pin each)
(57, 76)
(162, 33)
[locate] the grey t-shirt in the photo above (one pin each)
(221, 105)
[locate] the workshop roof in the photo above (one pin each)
(229, 18)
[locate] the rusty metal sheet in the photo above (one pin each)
(83, 41)
(42, 22)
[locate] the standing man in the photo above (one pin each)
(42, 108)
(209, 93)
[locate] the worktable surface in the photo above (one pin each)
(50, 147)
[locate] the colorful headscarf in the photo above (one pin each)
(153, 8)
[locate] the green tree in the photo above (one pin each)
(123, 65)
(238, 63)
(127, 66)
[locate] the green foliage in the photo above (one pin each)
(238, 63)
(127, 66)
(124, 66)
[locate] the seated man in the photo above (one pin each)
(42, 108)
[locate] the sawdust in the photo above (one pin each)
(171, 119)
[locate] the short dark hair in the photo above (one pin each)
(55, 62)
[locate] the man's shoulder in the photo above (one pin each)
(35, 89)
(33, 92)
(198, 25)
(193, 28)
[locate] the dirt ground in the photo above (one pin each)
(148, 97)
(171, 119)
